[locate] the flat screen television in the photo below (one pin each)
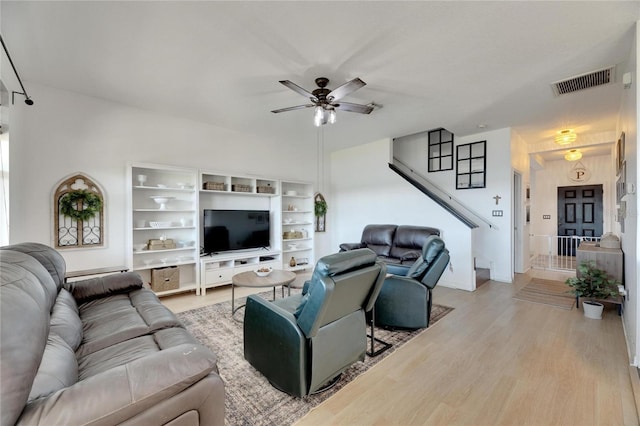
(226, 230)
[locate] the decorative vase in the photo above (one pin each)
(292, 262)
(592, 309)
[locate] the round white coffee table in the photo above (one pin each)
(276, 278)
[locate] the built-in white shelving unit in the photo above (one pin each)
(297, 225)
(163, 204)
(170, 202)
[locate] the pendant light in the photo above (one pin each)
(565, 137)
(573, 155)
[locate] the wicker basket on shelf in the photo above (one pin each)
(291, 235)
(237, 187)
(163, 279)
(215, 186)
(266, 190)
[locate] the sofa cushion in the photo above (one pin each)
(93, 288)
(390, 260)
(131, 350)
(49, 258)
(58, 369)
(379, 238)
(115, 355)
(65, 320)
(24, 326)
(114, 319)
(409, 240)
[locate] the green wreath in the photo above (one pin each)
(320, 208)
(91, 204)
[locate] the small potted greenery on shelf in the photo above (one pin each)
(592, 284)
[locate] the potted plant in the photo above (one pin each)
(592, 284)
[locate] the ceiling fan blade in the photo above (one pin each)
(298, 89)
(346, 106)
(293, 108)
(345, 89)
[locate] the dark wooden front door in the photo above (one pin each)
(579, 214)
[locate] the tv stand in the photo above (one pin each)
(217, 269)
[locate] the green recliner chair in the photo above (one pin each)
(302, 342)
(405, 301)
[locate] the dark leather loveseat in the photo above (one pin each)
(102, 351)
(396, 245)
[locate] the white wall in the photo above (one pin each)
(64, 133)
(520, 164)
(628, 123)
(365, 191)
(413, 152)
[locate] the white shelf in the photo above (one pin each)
(136, 253)
(217, 270)
(162, 265)
(182, 289)
(299, 208)
(299, 267)
(157, 188)
(164, 227)
(165, 210)
(295, 196)
(296, 249)
(180, 184)
(250, 194)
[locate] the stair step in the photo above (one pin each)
(482, 276)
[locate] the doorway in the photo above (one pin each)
(517, 262)
(579, 215)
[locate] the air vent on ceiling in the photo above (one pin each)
(584, 81)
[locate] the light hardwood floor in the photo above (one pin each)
(492, 361)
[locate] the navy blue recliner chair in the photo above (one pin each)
(302, 342)
(405, 301)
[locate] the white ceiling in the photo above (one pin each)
(429, 64)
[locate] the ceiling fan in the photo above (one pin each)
(326, 101)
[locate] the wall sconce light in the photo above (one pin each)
(573, 155)
(565, 137)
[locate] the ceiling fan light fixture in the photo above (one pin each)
(332, 116)
(325, 101)
(318, 116)
(565, 137)
(573, 155)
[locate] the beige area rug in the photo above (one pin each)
(250, 399)
(547, 292)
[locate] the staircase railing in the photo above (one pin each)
(440, 196)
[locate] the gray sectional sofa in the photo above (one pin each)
(101, 351)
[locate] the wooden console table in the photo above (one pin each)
(618, 301)
(607, 259)
(95, 271)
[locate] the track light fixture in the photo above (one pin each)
(28, 100)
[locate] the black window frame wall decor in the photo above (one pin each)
(440, 151)
(471, 166)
